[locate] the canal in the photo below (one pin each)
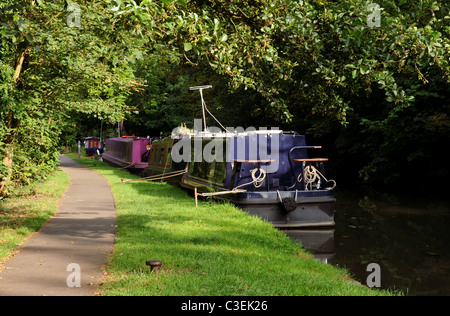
(409, 238)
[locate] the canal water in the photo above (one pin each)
(408, 238)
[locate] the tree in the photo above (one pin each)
(325, 64)
(317, 64)
(51, 68)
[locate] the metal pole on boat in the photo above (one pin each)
(203, 110)
(101, 131)
(203, 101)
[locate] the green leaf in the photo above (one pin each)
(22, 24)
(363, 70)
(29, 37)
(183, 3)
(9, 33)
(434, 6)
(187, 46)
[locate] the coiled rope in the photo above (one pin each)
(257, 181)
(311, 176)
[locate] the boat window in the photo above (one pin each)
(213, 172)
(163, 159)
(220, 172)
(155, 152)
(169, 156)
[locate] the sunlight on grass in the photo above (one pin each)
(215, 249)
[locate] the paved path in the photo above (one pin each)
(78, 238)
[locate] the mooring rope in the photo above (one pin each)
(257, 181)
(311, 176)
(130, 165)
(158, 177)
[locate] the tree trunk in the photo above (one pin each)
(19, 65)
(8, 163)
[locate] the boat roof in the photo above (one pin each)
(228, 134)
(126, 139)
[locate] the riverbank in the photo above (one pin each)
(213, 250)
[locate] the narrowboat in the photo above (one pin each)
(92, 145)
(160, 163)
(128, 152)
(266, 173)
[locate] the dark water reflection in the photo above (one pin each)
(409, 239)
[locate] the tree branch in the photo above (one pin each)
(19, 65)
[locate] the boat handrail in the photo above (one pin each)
(311, 159)
(254, 161)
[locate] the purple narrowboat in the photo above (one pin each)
(128, 152)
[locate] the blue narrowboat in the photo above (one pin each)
(266, 173)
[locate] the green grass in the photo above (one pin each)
(213, 250)
(28, 210)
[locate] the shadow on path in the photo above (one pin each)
(81, 233)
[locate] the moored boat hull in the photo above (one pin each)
(283, 210)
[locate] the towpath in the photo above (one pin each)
(66, 257)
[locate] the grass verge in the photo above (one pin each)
(26, 212)
(213, 250)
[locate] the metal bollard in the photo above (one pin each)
(155, 265)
